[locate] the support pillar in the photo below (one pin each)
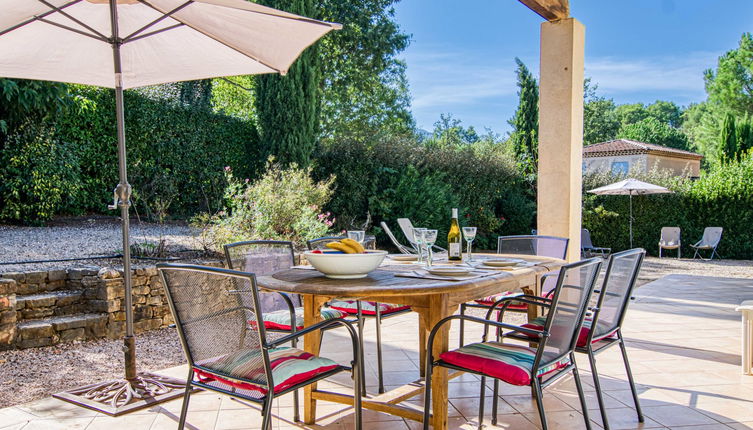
(561, 131)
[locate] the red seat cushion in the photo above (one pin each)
(538, 324)
(245, 368)
(508, 362)
(490, 300)
(367, 308)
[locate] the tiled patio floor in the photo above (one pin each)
(683, 338)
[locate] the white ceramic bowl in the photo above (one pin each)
(345, 266)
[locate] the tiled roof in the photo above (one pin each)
(632, 147)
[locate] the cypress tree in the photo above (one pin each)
(744, 131)
(728, 138)
(525, 123)
(288, 106)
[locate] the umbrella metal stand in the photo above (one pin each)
(135, 391)
(631, 220)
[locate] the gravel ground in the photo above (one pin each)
(84, 237)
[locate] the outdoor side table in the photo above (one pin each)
(432, 299)
(746, 308)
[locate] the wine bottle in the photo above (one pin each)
(454, 240)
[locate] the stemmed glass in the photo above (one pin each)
(357, 235)
(470, 234)
(430, 236)
(418, 239)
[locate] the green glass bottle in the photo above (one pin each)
(454, 239)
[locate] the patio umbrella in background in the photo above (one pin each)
(125, 44)
(630, 187)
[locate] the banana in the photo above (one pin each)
(355, 245)
(341, 247)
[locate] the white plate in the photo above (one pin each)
(404, 257)
(449, 271)
(502, 262)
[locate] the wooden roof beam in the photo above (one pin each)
(550, 10)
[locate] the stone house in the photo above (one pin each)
(622, 155)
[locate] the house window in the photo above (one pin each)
(620, 168)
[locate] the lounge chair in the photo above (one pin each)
(670, 239)
(400, 247)
(587, 248)
(407, 227)
(710, 240)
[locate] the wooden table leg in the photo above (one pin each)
(311, 315)
(438, 309)
(422, 334)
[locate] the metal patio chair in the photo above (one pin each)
(710, 241)
(521, 365)
(670, 239)
(603, 327)
(587, 248)
(362, 310)
(400, 247)
(219, 320)
(545, 246)
(279, 310)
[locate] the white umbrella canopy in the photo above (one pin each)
(124, 44)
(630, 187)
(162, 40)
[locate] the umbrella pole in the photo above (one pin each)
(631, 219)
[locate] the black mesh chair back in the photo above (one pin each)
(619, 281)
(321, 243)
(212, 308)
(263, 257)
(575, 284)
(544, 246)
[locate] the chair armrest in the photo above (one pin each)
(318, 326)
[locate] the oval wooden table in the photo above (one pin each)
(432, 299)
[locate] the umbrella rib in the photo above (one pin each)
(164, 16)
(152, 33)
(37, 18)
(215, 38)
(76, 20)
(75, 30)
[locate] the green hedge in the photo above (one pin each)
(395, 178)
(175, 157)
(721, 197)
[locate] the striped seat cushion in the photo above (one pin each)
(539, 322)
(367, 308)
(490, 300)
(508, 362)
(280, 320)
(245, 368)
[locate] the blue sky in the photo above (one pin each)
(461, 57)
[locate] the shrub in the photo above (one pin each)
(283, 204)
(38, 173)
(390, 178)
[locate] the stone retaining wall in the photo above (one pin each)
(48, 307)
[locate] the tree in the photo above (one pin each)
(651, 130)
(449, 132)
(525, 122)
(23, 100)
(599, 120)
(631, 113)
(731, 85)
(364, 88)
(744, 130)
(288, 106)
(728, 139)
(666, 112)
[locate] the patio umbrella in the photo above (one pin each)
(125, 44)
(630, 187)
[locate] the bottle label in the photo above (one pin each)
(454, 250)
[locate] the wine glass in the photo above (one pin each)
(357, 235)
(430, 236)
(470, 234)
(418, 239)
